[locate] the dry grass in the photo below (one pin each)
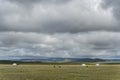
(66, 72)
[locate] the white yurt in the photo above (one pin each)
(83, 64)
(97, 64)
(14, 64)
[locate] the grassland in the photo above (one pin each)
(66, 72)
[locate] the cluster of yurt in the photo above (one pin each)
(95, 64)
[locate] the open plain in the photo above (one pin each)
(59, 72)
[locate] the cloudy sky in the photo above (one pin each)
(60, 28)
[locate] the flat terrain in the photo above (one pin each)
(66, 72)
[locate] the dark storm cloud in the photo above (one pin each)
(114, 5)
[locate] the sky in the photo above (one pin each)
(60, 28)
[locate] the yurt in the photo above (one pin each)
(97, 64)
(83, 64)
(14, 64)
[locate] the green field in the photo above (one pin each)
(66, 72)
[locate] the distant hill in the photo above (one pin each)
(51, 60)
(62, 60)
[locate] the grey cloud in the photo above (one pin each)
(70, 16)
(59, 28)
(30, 3)
(60, 45)
(39, 1)
(113, 5)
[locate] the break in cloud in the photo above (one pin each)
(60, 28)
